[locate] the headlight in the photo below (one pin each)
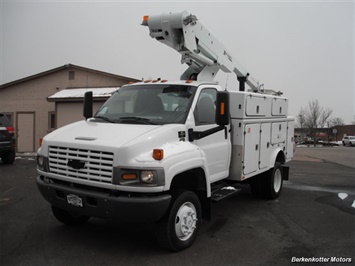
(147, 177)
(138, 177)
(42, 163)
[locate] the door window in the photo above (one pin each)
(205, 111)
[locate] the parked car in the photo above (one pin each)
(349, 140)
(7, 140)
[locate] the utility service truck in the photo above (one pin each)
(161, 151)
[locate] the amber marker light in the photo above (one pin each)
(222, 108)
(158, 154)
(145, 21)
(129, 176)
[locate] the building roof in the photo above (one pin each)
(76, 94)
(67, 66)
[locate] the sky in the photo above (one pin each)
(306, 49)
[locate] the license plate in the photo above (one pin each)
(74, 200)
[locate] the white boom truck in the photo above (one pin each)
(162, 151)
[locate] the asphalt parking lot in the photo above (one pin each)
(313, 218)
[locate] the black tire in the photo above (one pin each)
(69, 218)
(9, 157)
(179, 227)
(268, 185)
(273, 182)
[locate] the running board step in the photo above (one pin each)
(224, 192)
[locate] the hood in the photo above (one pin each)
(84, 133)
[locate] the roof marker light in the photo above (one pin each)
(145, 21)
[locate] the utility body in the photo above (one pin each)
(162, 151)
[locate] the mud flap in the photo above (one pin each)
(285, 170)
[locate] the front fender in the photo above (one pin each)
(183, 163)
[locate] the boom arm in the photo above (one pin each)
(199, 49)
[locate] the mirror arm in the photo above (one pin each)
(195, 135)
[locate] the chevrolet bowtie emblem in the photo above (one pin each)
(76, 164)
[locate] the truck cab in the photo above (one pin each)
(131, 158)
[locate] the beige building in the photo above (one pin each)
(36, 105)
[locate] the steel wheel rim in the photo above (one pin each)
(185, 221)
(277, 180)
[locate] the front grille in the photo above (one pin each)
(96, 165)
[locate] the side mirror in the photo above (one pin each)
(87, 112)
(222, 108)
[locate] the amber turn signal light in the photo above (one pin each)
(158, 154)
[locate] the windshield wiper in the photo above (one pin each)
(136, 119)
(104, 118)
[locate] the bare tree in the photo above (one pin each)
(301, 122)
(336, 121)
(301, 118)
(325, 116)
(315, 117)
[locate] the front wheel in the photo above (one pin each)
(178, 229)
(69, 218)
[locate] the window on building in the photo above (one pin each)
(71, 75)
(10, 117)
(51, 120)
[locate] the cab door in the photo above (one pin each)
(215, 147)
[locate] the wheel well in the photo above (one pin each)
(280, 157)
(194, 180)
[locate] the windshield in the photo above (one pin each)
(157, 104)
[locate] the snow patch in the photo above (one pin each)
(229, 188)
(342, 195)
(79, 93)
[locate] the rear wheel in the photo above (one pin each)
(273, 182)
(178, 229)
(268, 184)
(69, 218)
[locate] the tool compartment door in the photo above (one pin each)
(264, 159)
(278, 132)
(251, 148)
(290, 139)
